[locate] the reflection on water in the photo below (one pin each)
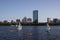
(48, 36)
(35, 33)
(29, 33)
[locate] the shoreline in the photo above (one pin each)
(31, 24)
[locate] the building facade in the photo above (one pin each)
(24, 20)
(55, 20)
(35, 16)
(29, 20)
(17, 20)
(49, 20)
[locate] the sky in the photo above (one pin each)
(17, 9)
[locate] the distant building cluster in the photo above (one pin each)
(55, 20)
(25, 19)
(35, 19)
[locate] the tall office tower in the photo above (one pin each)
(35, 16)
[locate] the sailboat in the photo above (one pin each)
(48, 28)
(19, 27)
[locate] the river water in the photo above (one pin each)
(29, 33)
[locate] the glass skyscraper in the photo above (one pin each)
(35, 16)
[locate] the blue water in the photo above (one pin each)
(29, 33)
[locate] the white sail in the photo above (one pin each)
(48, 27)
(19, 27)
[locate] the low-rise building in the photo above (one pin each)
(49, 20)
(29, 20)
(17, 20)
(24, 20)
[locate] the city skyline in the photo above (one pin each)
(17, 9)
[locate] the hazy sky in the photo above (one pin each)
(13, 9)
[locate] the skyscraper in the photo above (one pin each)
(35, 16)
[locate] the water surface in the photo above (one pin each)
(29, 33)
